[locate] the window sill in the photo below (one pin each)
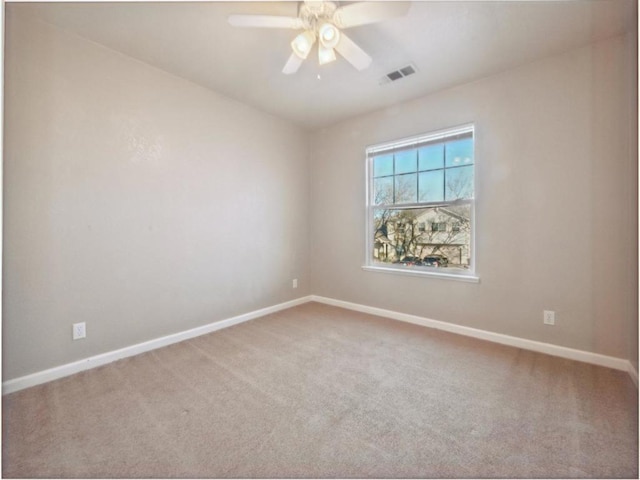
(461, 277)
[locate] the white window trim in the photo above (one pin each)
(463, 275)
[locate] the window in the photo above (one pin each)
(421, 204)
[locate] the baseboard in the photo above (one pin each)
(555, 350)
(85, 364)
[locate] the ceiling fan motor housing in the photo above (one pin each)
(314, 14)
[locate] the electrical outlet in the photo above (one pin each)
(294, 284)
(79, 330)
(549, 317)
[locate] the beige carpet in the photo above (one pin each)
(317, 391)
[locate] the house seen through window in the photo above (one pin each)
(421, 202)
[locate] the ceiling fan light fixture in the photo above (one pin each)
(329, 35)
(325, 55)
(302, 44)
(323, 21)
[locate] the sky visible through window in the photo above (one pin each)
(432, 173)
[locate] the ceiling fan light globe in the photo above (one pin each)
(329, 35)
(301, 45)
(325, 55)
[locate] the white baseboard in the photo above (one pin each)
(105, 358)
(555, 350)
(85, 364)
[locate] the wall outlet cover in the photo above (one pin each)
(549, 317)
(79, 330)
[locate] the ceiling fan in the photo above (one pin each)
(324, 21)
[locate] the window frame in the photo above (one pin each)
(452, 273)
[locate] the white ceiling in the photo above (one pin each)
(449, 42)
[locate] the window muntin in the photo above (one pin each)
(421, 203)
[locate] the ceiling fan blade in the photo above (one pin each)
(266, 21)
(363, 13)
(292, 65)
(353, 53)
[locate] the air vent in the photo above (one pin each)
(398, 74)
(408, 70)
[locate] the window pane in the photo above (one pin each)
(431, 186)
(406, 161)
(431, 157)
(400, 237)
(459, 183)
(459, 152)
(406, 188)
(383, 191)
(383, 165)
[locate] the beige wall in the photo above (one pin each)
(556, 190)
(632, 86)
(146, 205)
(136, 201)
